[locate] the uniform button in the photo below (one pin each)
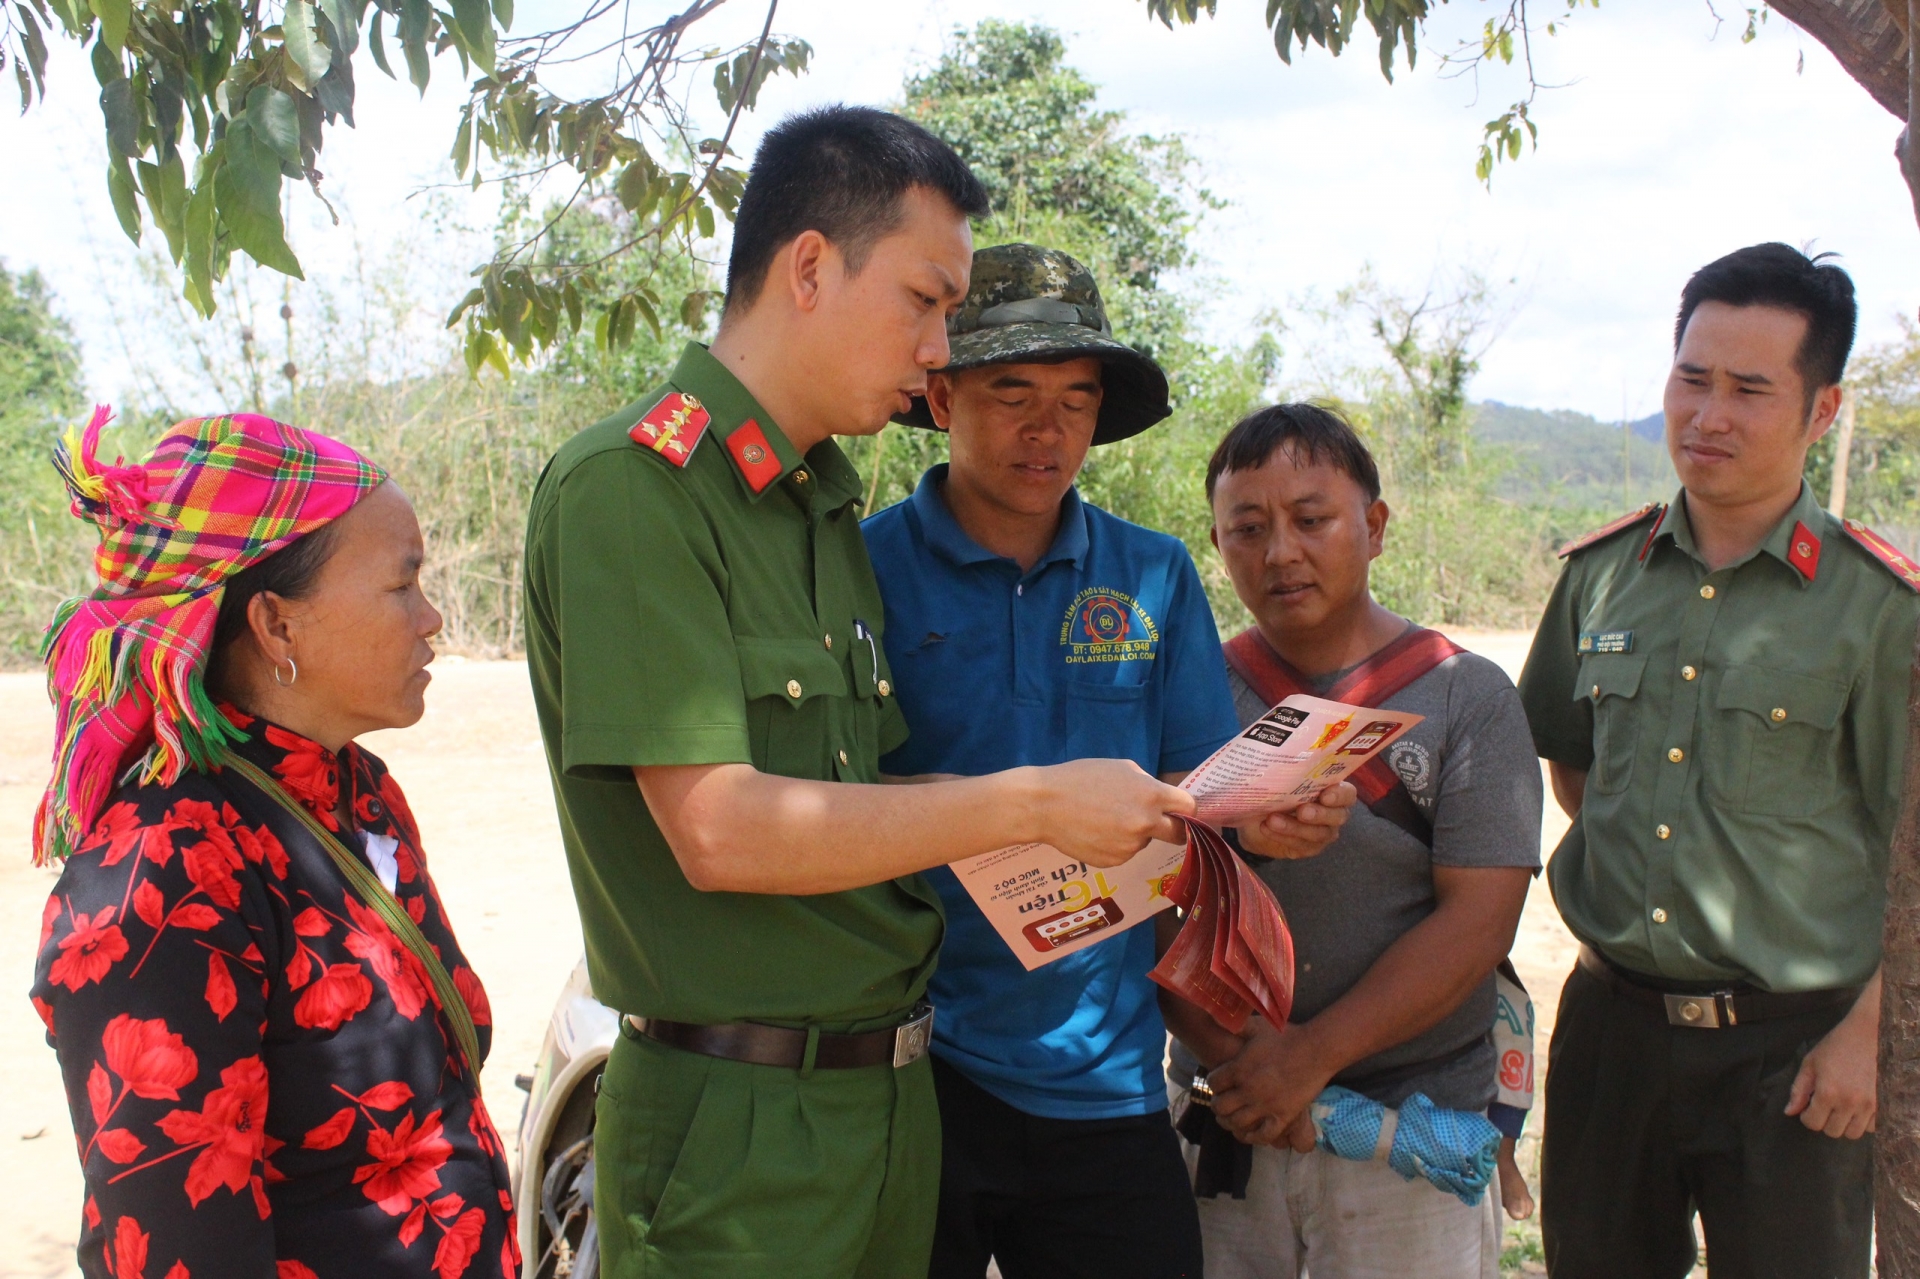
(373, 808)
(829, 642)
(886, 689)
(843, 757)
(1659, 914)
(1706, 592)
(1596, 690)
(793, 688)
(1687, 672)
(1676, 754)
(799, 477)
(1779, 714)
(1663, 830)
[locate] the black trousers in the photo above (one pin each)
(1648, 1124)
(1060, 1198)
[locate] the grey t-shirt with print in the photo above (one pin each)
(1469, 765)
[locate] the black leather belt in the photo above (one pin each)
(760, 1045)
(1708, 1009)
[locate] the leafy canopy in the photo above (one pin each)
(39, 364)
(43, 555)
(1064, 174)
(210, 106)
(1067, 175)
(1026, 124)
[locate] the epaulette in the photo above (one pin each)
(1606, 531)
(673, 428)
(1886, 552)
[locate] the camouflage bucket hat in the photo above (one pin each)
(1029, 305)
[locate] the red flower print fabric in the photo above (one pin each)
(261, 1079)
(89, 952)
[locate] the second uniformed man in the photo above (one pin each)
(707, 652)
(1719, 687)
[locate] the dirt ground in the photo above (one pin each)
(474, 773)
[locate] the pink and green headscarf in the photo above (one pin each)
(126, 664)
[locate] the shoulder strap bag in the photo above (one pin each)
(374, 895)
(1370, 683)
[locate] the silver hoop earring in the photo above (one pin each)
(288, 682)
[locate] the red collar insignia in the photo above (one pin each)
(1803, 552)
(1886, 552)
(754, 456)
(672, 428)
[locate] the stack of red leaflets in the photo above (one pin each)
(1233, 956)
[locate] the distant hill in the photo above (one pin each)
(1573, 461)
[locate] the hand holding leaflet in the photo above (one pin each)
(1046, 905)
(1288, 756)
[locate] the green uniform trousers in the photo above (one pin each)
(710, 1169)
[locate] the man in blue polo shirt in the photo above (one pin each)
(1025, 627)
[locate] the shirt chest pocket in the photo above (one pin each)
(1611, 681)
(1774, 743)
(798, 719)
(1106, 721)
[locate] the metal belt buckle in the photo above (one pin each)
(1700, 1012)
(910, 1040)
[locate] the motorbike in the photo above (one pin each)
(558, 1234)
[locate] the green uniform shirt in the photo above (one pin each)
(1743, 732)
(677, 616)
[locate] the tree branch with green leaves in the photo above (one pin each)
(211, 106)
(1869, 38)
(1397, 26)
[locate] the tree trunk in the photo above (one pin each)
(1896, 1182)
(1878, 42)
(1867, 37)
(1908, 148)
(1870, 39)
(1896, 1178)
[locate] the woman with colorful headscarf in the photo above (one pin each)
(270, 1038)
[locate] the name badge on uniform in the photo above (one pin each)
(1605, 642)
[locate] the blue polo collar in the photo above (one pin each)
(944, 534)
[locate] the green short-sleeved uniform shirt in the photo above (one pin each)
(1743, 732)
(716, 610)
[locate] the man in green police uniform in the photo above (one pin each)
(1719, 688)
(704, 638)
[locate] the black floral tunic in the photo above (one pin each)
(261, 1081)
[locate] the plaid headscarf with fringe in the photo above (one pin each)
(126, 664)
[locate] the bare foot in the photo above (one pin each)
(1514, 1195)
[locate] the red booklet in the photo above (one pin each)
(1233, 955)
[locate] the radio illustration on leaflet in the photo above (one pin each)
(1055, 931)
(1369, 738)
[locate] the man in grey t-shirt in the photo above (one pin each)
(1397, 926)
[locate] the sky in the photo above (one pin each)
(1666, 142)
